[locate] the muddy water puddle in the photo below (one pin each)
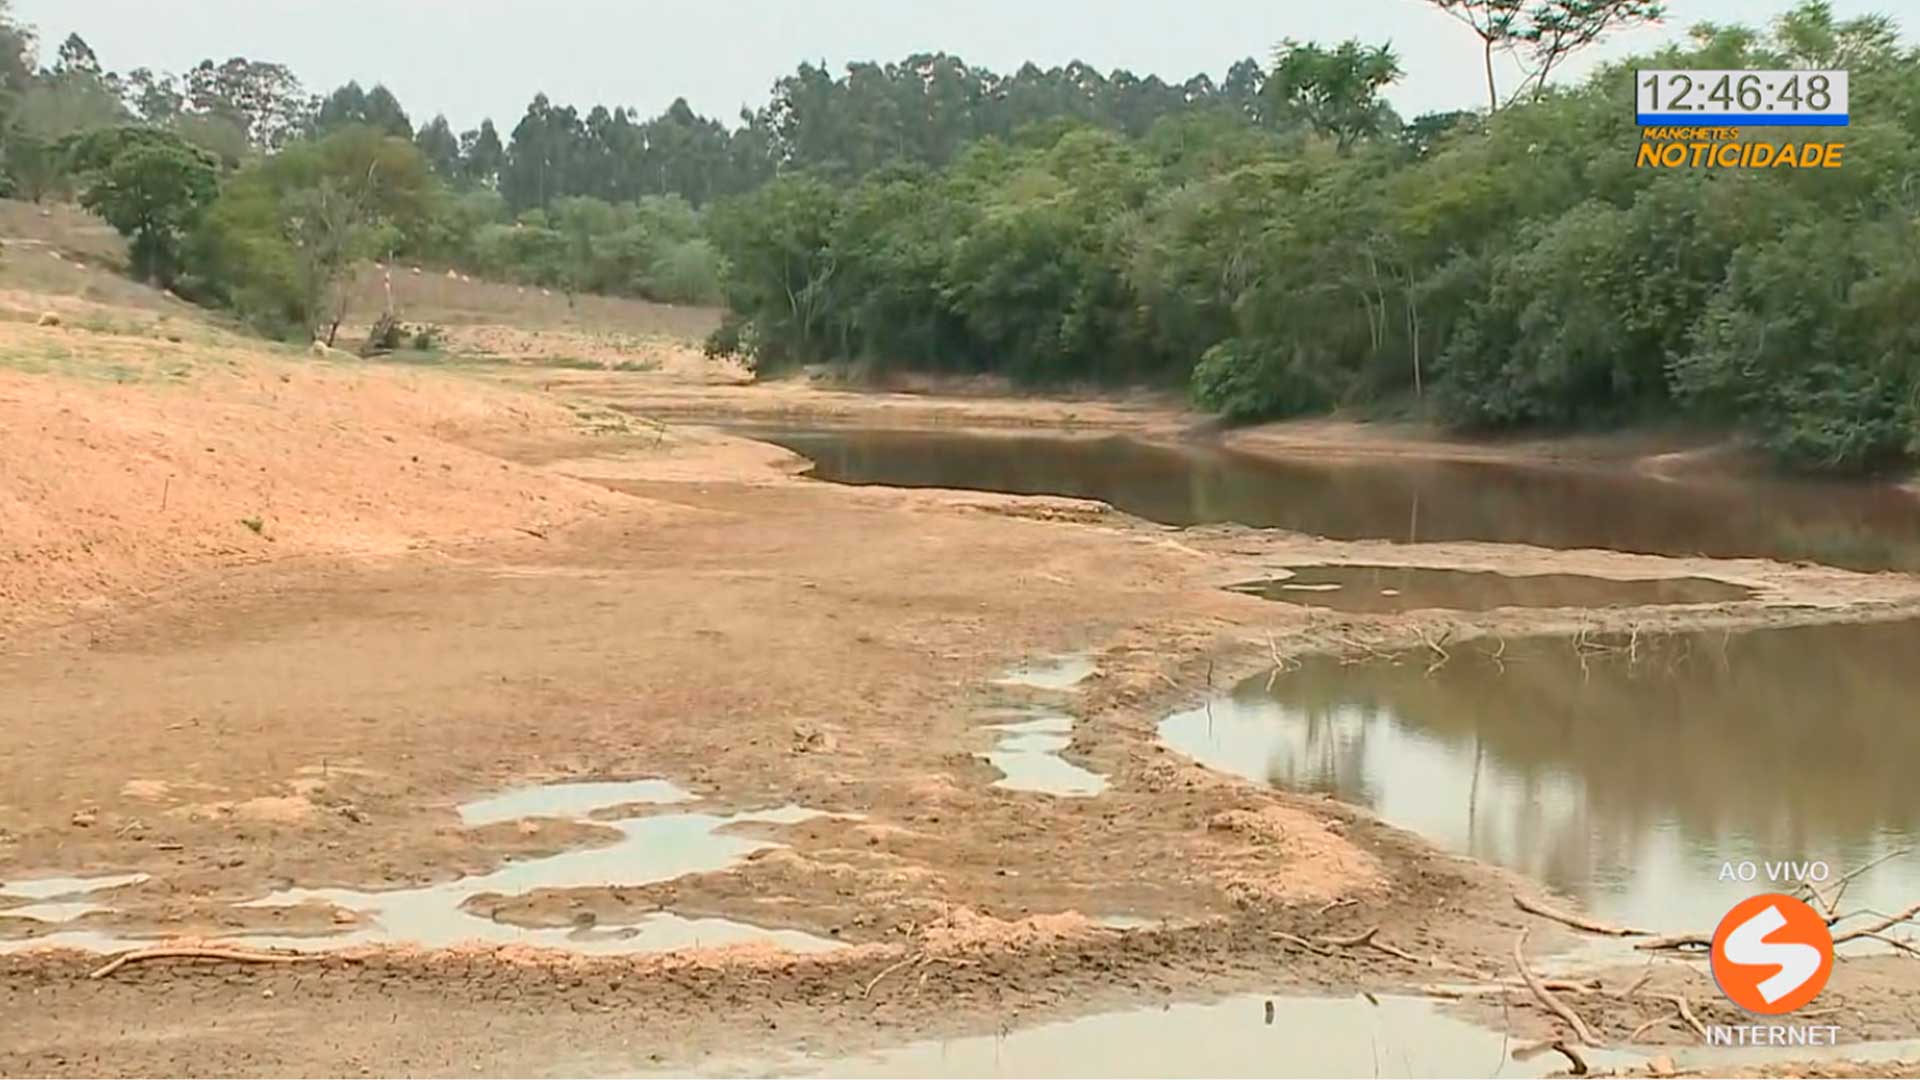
(1250, 1035)
(1622, 773)
(1388, 589)
(1062, 672)
(651, 848)
(1028, 755)
(569, 800)
(1859, 526)
(1030, 737)
(60, 899)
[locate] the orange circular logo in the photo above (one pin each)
(1772, 954)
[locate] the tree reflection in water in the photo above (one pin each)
(1625, 782)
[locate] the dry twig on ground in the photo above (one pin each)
(196, 952)
(1535, 907)
(1546, 997)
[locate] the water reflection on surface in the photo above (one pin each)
(1028, 756)
(1306, 1037)
(649, 848)
(1623, 781)
(1858, 526)
(1255, 1035)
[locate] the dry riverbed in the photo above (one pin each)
(816, 671)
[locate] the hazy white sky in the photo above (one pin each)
(478, 58)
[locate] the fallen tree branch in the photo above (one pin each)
(1639, 983)
(884, 972)
(1501, 986)
(1354, 942)
(1840, 886)
(1634, 1036)
(1295, 939)
(1675, 941)
(1534, 907)
(1686, 1014)
(1885, 940)
(197, 952)
(1695, 943)
(1545, 996)
(1886, 922)
(1578, 1064)
(1371, 940)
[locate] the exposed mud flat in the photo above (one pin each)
(763, 641)
(1391, 589)
(644, 850)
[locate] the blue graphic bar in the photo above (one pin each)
(1743, 120)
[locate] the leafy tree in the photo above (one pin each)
(50, 111)
(150, 185)
(482, 156)
(282, 239)
(1334, 91)
(1542, 33)
(778, 240)
(76, 57)
(376, 108)
(1556, 29)
(215, 134)
(263, 100)
(441, 148)
(18, 47)
(155, 98)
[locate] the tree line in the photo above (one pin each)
(1503, 269)
(1279, 240)
(238, 186)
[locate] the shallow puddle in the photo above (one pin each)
(1053, 673)
(1624, 774)
(1381, 589)
(60, 899)
(54, 888)
(1861, 526)
(650, 849)
(1028, 757)
(569, 800)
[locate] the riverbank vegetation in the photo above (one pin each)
(1278, 240)
(1501, 270)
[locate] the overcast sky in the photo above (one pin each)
(477, 58)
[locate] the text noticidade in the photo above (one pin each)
(1716, 148)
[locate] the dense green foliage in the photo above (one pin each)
(149, 184)
(1278, 241)
(280, 241)
(1497, 271)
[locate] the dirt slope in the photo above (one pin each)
(126, 461)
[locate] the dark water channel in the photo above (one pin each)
(1859, 526)
(1623, 780)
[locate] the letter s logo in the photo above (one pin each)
(1772, 954)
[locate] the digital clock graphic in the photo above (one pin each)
(1741, 98)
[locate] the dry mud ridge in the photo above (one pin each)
(274, 624)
